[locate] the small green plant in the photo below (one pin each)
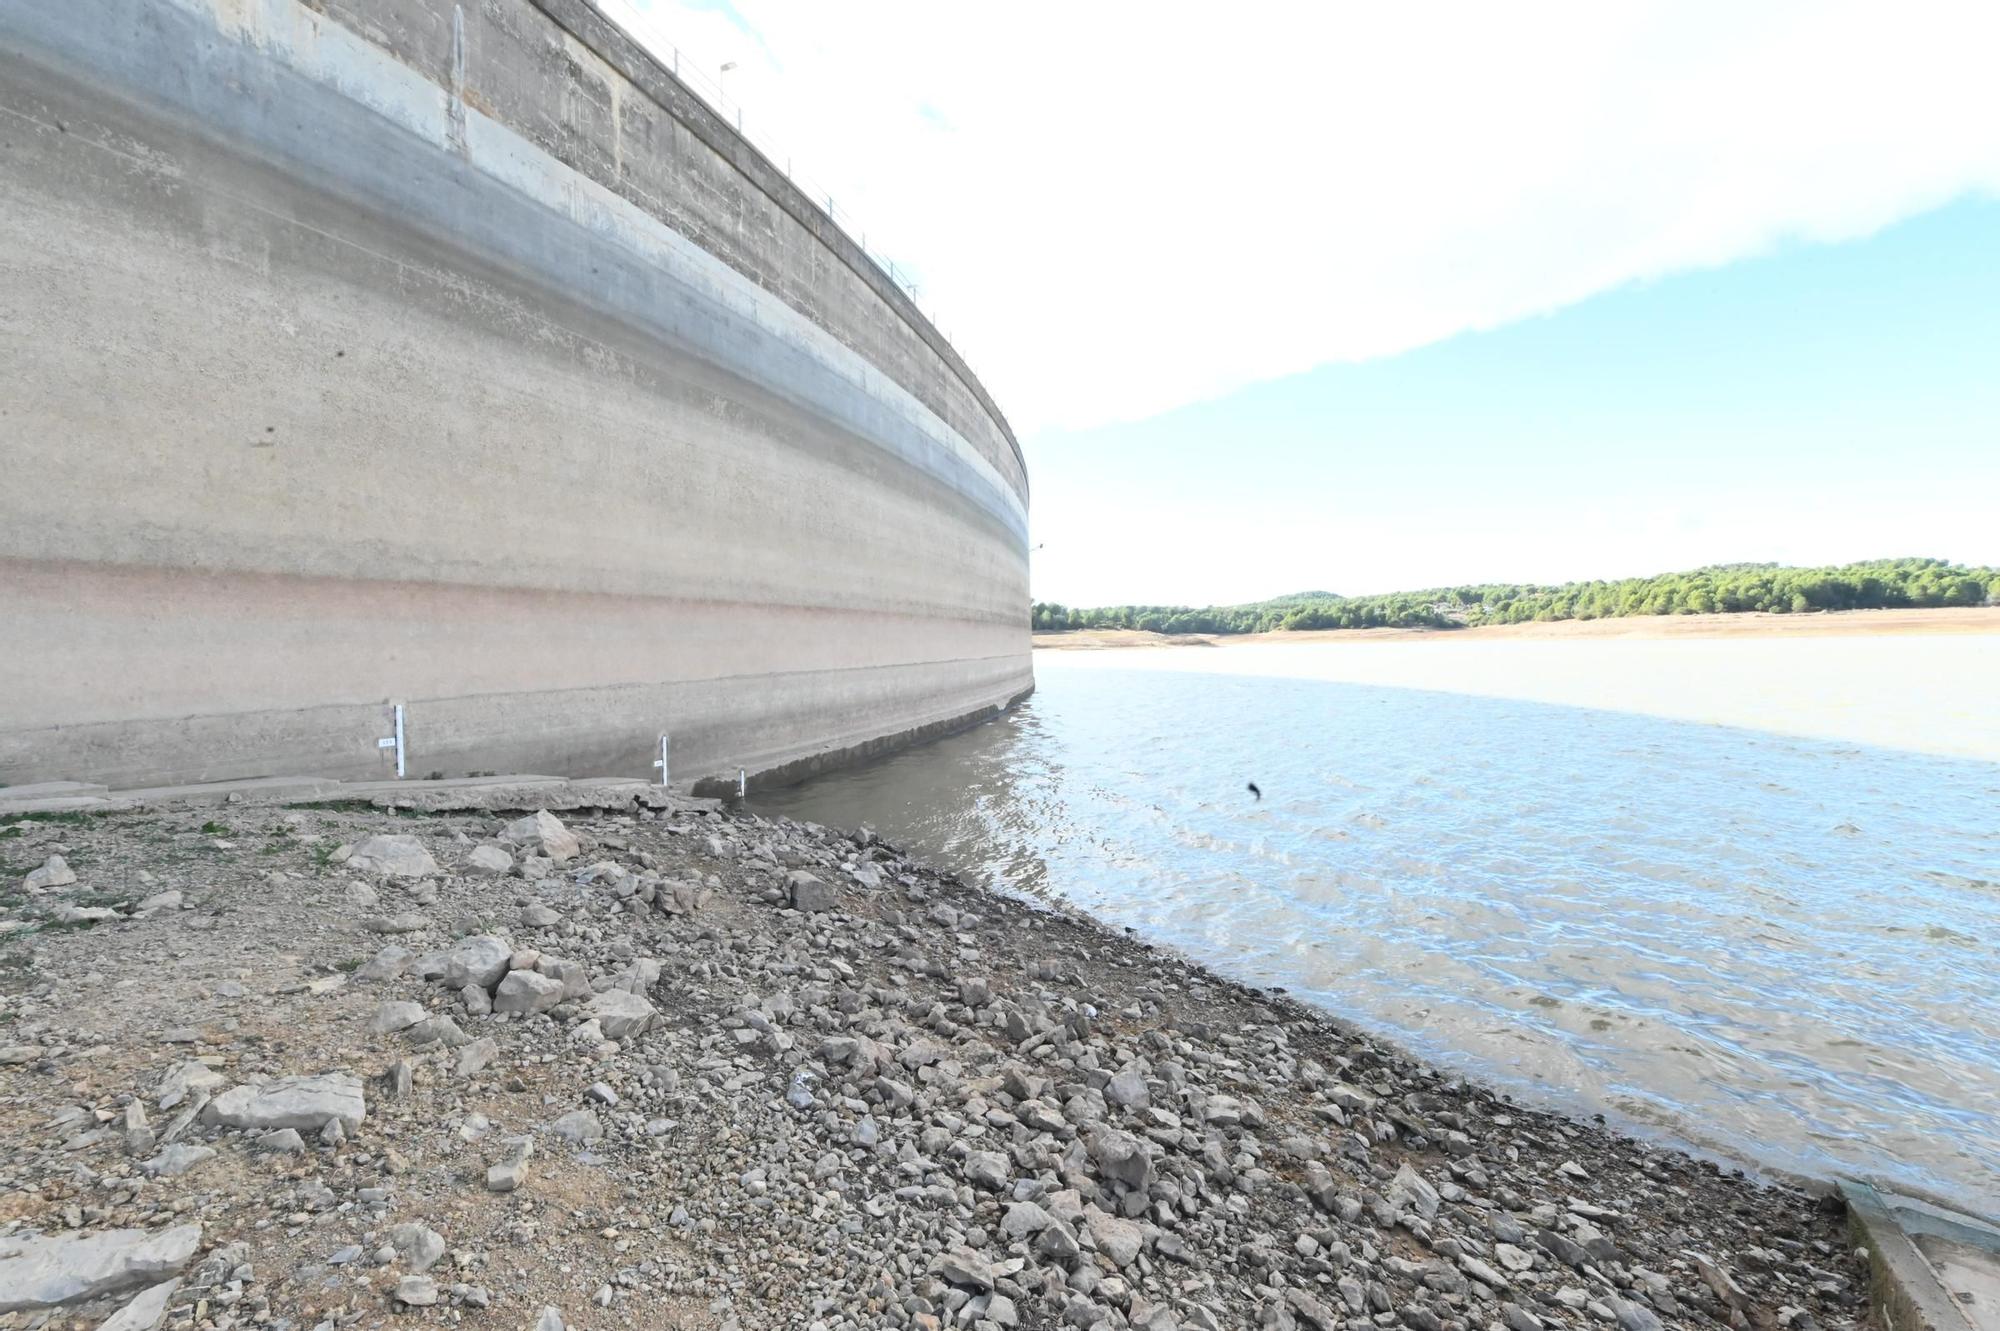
(322, 855)
(74, 818)
(213, 828)
(349, 966)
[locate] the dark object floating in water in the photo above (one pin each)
(1254, 791)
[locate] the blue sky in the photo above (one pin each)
(1361, 297)
(1820, 403)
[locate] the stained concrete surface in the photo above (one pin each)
(1934, 1268)
(430, 360)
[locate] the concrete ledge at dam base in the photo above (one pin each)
(1933, 1268)
(496, 792)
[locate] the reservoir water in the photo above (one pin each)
(1780, 946)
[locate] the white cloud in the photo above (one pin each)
(1116, 209)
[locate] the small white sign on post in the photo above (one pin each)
(395, 741)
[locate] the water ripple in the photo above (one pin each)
(1777, 948)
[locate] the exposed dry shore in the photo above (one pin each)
(1968, 619)
(750, 1073)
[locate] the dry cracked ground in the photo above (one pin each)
(319, 1068)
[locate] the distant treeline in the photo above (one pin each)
(1724, 588)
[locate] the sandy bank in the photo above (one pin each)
(1974, 619)
(705, 1070)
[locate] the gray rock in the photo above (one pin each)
(1226, 1111)
(604, 871)
(176, 1160)
(489, 860)
(620, 1015)
(475, 1056)
(396, 1015)
(139, 1135)
(574, 978)
(306, 1103)
(808, 893)
(51, 1270)
(393, 857)
(1562, 1248)
(1409, 1191)
(55, 872)
(387, 964)
(1117, 1238)
(963, 1266)
(1122, 1158)
(988, 1170)
(419, 1247)
(437, 1029)
(1633, 1316)
(157, 903)
(1022, 1219)
(577, 1127)
(1058, 1242)
(146, 1311)
(285, 1141)
(535, 915)
(1312, 1312)
(506, 1176)
(551, 1319)
(1721, 1282)
(481, 959)
(543, 832)
(1127, 1090)
(636, 978)
(525, 991)
(512, 1171)
(416, 1291)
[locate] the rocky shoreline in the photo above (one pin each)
(305, 1069)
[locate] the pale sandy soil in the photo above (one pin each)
(1972, 619)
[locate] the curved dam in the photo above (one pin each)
(380, 359)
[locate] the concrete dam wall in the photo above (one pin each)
(367, 352)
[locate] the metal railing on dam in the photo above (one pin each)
(459, 357)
